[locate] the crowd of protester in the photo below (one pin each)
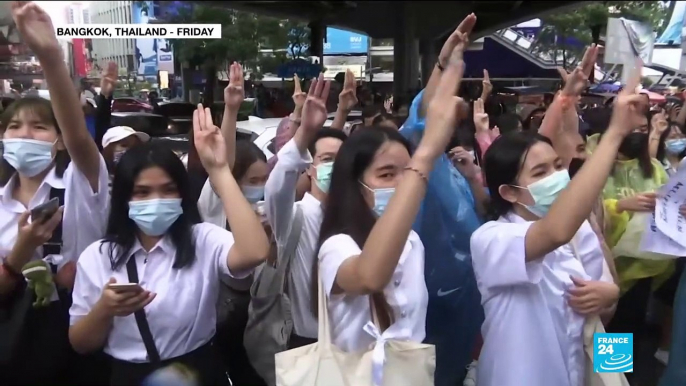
(465, 245)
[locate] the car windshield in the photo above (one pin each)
(177, 109)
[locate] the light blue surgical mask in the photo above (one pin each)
(253, 193)
(29, 157)
(381, 198)
(323, 179)
(675, 146)
(545, 191)
(154, 217)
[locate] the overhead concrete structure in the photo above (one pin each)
(416, 26)
(379, 19)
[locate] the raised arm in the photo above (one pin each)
(38, 33)
(103, 112)
(251, 246)
(372, 270)
(346, 101)
(293, 159)
(574, 204)
(234, 94)
(465, 28)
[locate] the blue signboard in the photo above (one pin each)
(302, 67)
(146, 49)
(341, 42)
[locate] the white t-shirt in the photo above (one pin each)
(406, 294)
(530, 332)
(183, 315)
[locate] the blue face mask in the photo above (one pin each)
(154, 217)
(253, 193)
(323, 179)
(545, 191)
(28, 157)
(381, 198)
(675, 146)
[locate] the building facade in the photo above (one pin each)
(120, 51)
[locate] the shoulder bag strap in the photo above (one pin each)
(141, 319)
(285, 254)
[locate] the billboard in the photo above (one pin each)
(152, 55)
(342, 42)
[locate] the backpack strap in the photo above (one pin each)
(141, 318)
(285, 254)
(54, 245)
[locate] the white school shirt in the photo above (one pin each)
(83, 221)
(183, 315)
(280, 208)
(530, 333)
(211, 210)
(406, 294)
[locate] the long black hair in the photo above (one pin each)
(42, 108)
(346, 210)
(247, 153)
(121, 230)
(502, 164)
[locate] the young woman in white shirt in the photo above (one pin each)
(250, 172)
(539, 266)
(368, 254)
(154, 232)
(39, 137)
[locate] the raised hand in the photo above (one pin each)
(461, 32)
(314, 110)
(486, 86)
(109, 79)
(659, 122)
(627, 111)
(464, 163)
(298, 95)
(388, 105)
(209, 141)
(495, 132)
(347, 99)
(234, 93)
(35, 27)
(480, 116)
(445, 108)
(579, 78)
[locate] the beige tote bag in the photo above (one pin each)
(591, 326)
(386, 363)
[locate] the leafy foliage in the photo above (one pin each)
(564, 34)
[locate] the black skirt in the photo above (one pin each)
(203, 361)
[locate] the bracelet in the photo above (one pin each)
(293, 119)
(419, 173)
(11, 272)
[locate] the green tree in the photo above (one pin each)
(586, 23)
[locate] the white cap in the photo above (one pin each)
(118, 133)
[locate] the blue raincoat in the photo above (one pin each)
(445, 224)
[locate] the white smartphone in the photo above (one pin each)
(125, 287)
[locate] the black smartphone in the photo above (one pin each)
(44, 211)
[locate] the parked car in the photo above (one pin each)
(152, 124)
(130, 105)
(180, 113)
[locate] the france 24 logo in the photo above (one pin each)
(613, 353)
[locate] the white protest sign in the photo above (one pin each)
(667, 217)
(655, 241)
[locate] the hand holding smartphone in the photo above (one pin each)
(44, 211)
(121, 288)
